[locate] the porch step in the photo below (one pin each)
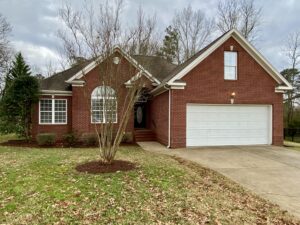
(144, 135)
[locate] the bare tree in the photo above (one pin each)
(292, 74)
(293, 49)
(142, 37)
(112, 96)
(50, 68)
(242, 15)
(91, 30)
(194, 31)
(94, 35)
(228, 15)
(5, 49)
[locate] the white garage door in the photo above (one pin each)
(212, 125)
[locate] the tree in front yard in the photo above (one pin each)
(20, 93)
(112, 96)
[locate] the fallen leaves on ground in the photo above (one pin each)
(41, 186)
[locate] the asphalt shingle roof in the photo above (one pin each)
(159, 67)
(156, 65)
(57, 81)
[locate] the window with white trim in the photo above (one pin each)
(103, 105)
(53, 111)
(230, 65)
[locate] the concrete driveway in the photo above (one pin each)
(271, 172)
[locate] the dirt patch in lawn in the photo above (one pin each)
(96, 167)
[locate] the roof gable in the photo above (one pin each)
(186, 67)
(93, 64)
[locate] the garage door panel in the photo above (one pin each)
(254, 133)
(217, 117)
(225, 125)
(210, 125)
(226, 141)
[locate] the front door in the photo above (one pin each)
(140, 115)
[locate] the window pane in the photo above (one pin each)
(97, 104)
(110, 116)
(103, 105)
(97, 116)
(46, 111)
(60, 105)
(230, 58)
(230, 73)
(60, 117)
(46, 105)
(46, 117)
(110, 104)
(111, 110)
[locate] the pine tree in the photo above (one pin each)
(18, 69)
(20, 93)
(170, 48)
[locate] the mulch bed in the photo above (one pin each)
(19, 143)
(96, 167)
(33, 144)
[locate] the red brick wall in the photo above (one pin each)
(206, 84)
(159, 110)
(79, 116)
(60, 130)
(81, 97)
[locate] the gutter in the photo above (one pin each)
(169, 117)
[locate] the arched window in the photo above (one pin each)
(104, 105)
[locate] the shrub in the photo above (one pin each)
(70, 139)
(46, 139)
(89, 139)
(127, 137)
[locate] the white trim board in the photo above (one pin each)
(56, 92)
(248, 47)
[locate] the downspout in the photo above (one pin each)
(169, 117)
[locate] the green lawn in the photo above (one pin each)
(296, 139)
(41, 186)
(292, 145)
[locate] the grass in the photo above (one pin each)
(292, 145)
(41, 186)
(7, 137)
(296, 139)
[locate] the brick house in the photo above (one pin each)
(226, 94)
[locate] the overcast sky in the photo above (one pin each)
(35, 24)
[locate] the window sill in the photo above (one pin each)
(53, 124)
(103, 123)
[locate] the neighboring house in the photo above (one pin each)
(226, 94)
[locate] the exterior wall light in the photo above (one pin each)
(116, 60)
(231, 47)
(232, 96)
